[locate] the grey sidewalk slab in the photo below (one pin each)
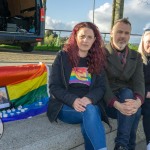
(141, 145)
(38, 133)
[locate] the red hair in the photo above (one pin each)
(96, 55)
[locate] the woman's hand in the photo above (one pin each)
(78, 105)
(85, 101)
(81, 103)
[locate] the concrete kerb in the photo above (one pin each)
(110, 137)
(39, 134)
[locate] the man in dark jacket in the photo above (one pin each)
(125, 85)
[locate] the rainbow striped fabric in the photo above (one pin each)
(80, 75)
(27, 87)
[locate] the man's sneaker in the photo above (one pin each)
(120, 147)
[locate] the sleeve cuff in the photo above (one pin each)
(136, 95)
(111, 104)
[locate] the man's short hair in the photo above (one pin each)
(147, 30)
(124, 20)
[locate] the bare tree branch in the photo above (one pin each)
(147, 2)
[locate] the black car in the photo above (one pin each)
(22, 23)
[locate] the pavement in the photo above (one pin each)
(17, 57)
(141, 145)
(38, 133)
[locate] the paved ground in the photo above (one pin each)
(14, 57)
(141, 146)
(17, 57)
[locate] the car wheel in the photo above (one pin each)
(27, 47)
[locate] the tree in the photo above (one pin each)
(117, 10)
(145, 1)
(48, 33)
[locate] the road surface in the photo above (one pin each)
(17, 57)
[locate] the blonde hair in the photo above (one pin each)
(141, 47)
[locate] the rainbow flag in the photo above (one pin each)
(27, 87)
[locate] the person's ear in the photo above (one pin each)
(111, 33)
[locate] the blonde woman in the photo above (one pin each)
(144, 49)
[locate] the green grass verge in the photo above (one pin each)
(51, 48)
(9, 46)
(38, 48)
(47, 48)
(133, 47)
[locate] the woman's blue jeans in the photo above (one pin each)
(127, 125)
(91, 125)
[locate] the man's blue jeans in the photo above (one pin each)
(127, 125)
(91, 125)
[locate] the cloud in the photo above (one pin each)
(137, 11)
(102, 17)
(58, 24)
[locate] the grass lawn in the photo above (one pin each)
(51, 48)
(38, 48)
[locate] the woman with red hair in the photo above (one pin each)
(77, 85)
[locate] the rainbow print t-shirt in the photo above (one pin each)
(80, 75)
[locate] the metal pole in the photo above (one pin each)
(93, 9)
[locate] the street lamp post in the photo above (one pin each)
(93, 9)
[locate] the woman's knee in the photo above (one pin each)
(92, 111)
(90, 108)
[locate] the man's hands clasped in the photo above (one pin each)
(129, 107)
